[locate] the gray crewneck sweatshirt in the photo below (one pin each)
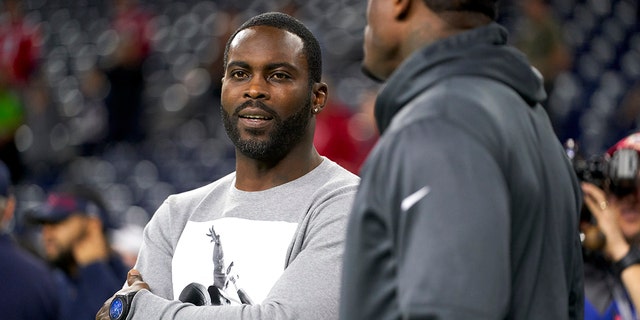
(282, 246)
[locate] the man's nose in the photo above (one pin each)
(257, 89)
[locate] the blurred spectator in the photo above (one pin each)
(28, 289)
(92, 125)
(224, 27)
(124, 101)
(362, 125)
(38, 140)
(20, 43)
(75, 225)
(627, 119)
(540, 37)
(345, 136)
(332, 137)
(612, 238)
(19, 52)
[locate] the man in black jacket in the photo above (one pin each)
(468, 206)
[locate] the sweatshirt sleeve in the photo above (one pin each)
(159, 239)
(429, 234)
(308, 288)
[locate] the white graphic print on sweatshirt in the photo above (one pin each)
(256, 248)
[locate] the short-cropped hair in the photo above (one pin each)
(486, 7)
(283, 21)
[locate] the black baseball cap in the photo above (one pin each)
(62, 204)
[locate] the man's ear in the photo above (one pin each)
(320, 91)
(401, 8)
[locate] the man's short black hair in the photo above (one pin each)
(486, 7)
(286, 22)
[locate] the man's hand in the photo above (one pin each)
(134, 284)
(606, 214)
(93, 246)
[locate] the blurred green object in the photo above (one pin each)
(11, 114)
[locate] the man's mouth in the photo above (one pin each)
(255, 117)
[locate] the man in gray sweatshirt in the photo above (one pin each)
(266, 241)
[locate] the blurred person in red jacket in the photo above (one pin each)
(19, 44)
(344, 135)
(332, 138)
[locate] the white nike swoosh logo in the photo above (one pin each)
(409, 201)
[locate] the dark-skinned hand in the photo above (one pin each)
(134, 284)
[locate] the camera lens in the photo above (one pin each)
(623, 172)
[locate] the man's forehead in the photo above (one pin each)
(266, 46)
(267, 34)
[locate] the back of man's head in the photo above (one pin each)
(488, 8)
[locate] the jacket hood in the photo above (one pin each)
(479, 52)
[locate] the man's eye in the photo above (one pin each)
(238, 74)
(280, 76)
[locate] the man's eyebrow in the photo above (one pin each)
(286, 65)
(240, 64)
(270, 66)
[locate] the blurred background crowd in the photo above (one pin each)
(123, 95)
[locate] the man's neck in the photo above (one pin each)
(255, 175)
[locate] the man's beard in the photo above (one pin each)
(282, 138)
(65, 261)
